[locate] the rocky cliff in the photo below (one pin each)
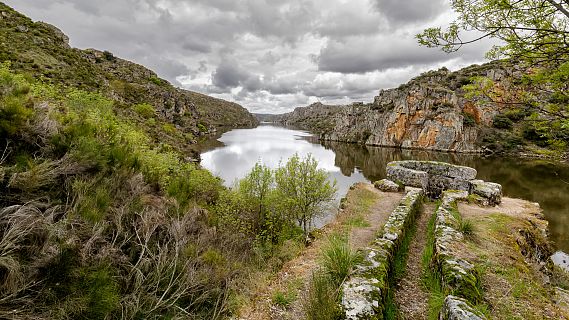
(429, 112)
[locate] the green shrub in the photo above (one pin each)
(193, 184)
(502, 122)
(169, 128)
(15, 101)
(145, 110)
(202, 127)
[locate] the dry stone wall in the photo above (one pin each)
(364, 293)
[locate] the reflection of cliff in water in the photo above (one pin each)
(371, 161)
(534, 180)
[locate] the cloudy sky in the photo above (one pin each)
(267, 55)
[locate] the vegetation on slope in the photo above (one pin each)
(41, 51)
(99, 221)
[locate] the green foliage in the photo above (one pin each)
(468, 120)
(502, 122)
(145, 110)
(338, 259)
(322, 300)
(303, 189)
(202, 127)
(192, 184)
(15, 102)
(283, 299)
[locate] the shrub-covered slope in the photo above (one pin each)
(42, 51)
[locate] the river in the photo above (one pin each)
(234, 153)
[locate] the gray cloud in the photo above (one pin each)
(410, 11)
(268, 55)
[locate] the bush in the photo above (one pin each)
(145, 110)
(15, 101)
(502, 122)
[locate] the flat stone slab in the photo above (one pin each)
(490, 191)
(455, 308)
(433, 177)
(386, 185)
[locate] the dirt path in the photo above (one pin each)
(299, 270)
(410, 295)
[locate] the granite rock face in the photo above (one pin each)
(429, 112)
(455, 308)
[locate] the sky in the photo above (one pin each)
(270, 56)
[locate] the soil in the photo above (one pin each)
(410, 296)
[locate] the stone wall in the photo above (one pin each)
(364, 293)
(457, 274)
(435, 177)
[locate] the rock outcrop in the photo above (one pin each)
(429, 112)
(455, 308)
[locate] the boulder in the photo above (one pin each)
(386, 185)
(434, 177)
(560, 260)
(455, 308)
(490, 191)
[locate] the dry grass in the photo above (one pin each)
(513, 288)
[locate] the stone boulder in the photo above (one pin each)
(491, 192)
(433, 177)
(386, 185)
(455, 308)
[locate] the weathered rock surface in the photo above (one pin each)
(429, 112)
(434, 177)
(386, 185)
(456, 273)
(364, 293)
(560, 260)
(455, 308)
(490, 191)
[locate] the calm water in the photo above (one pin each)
(538, 181)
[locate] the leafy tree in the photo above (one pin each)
(532, 33)
(257, 186)
(303, 189)
(536, 29)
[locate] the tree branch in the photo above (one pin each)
(559, 7)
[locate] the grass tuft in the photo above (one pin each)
(338, 259)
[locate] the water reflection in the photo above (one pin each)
(538, 181)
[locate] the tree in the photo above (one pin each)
(303, 189)
(529, 29)
(257, 187)
(533, 34)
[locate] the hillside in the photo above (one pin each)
(41, 51)
(440, 110)
(104, 213)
